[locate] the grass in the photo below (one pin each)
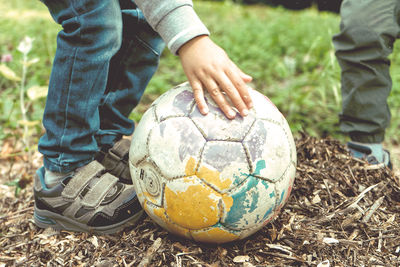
(288, 53)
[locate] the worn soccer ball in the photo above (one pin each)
(209, 178)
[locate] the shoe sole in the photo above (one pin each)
(47, 219)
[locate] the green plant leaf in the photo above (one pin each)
(36, 92)
(8, 73)
(28, 123)
(31, 62)
(15, 183)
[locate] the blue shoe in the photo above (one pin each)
(374, 154)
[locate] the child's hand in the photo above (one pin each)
(207, 66)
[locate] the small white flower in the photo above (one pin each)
(25, 45)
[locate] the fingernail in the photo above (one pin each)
(205, 110)
(245, 112)
(232, 113)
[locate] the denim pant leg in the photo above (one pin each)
(368, 31)
(91, 34)
(130, 71)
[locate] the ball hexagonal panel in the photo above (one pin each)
(191, 204)
(216, 126)
(178, 102)
(253, 202)
(269, 149)
(223, 165)
(159, 215)
(174, 144)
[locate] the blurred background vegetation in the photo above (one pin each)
(288, 52)
(322, 5)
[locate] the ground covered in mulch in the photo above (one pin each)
(341, 213)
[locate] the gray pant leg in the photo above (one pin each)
(368, 30)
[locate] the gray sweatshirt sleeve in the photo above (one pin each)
(175, 21)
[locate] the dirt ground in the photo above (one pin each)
(341, 213)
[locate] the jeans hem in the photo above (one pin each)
(56, 167)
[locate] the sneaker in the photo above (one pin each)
(116, 160)
(374, 154)
(88, 200)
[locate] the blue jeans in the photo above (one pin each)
(106, 55)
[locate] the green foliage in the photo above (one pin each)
(15, 183)
(19, 19)
(288, 53)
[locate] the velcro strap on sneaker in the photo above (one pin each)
(115, 160)
(121, 148)
(110, 160)
(116, 154)
(80, 179)
(97, 193)
(125, 175)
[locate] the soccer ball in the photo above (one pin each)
(209, 178)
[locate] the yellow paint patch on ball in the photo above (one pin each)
(194, 208)
(177, 230)
(213, 177)
(160, 212)
(173, 228)
(210, 176)
(190, 168)
(214, 235)
(228, 202)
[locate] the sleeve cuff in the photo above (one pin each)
(180, 26)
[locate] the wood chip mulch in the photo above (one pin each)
(341, 213)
